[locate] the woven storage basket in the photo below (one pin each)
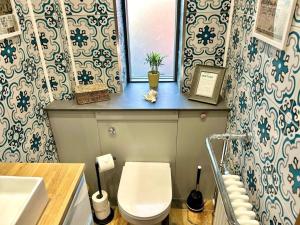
(91, 93)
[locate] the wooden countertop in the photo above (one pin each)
(60, 179)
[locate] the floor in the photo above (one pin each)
(179, 217)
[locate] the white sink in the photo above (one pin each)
(22, 200)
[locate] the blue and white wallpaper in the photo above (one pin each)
(53, 38)
(262, 87)
(92, 26)
(263, 92)
(205, 35)
(25, 134)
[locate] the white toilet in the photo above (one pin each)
(145, 192)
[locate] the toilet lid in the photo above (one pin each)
(145, 189)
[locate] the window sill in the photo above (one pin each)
(169, 98)
(145, 80)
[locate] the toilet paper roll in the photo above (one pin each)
(104, 213)
(99, 204)
(106, 162)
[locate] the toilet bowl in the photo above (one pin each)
(145, 192)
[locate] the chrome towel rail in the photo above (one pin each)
(217, 172)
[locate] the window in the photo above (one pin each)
(151, 26)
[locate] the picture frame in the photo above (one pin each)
(273, 21)
(207, 83)
(9, 24)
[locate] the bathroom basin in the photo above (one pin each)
(22, 200)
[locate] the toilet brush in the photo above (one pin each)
(103, 213)
(195, 201)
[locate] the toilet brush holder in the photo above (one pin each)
(195, 201)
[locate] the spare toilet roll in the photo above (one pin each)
(106, 162)
(104, 213)
(101, 206)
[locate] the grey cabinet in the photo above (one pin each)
(76, 137)
(193, 128)
(136, 136)
(177, 137)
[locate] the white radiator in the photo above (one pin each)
(220, 217)
(242, 210)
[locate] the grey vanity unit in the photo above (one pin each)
(171, 130)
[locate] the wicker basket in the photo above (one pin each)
(86, 94)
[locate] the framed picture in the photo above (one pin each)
(9, 25)
(207, 83)
(273, 21)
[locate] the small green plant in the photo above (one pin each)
(154, 59)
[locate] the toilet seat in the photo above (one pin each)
(145, 192)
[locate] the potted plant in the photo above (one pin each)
(154, 60)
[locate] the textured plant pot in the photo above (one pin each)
(153, 78)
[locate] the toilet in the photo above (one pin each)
(145, 192)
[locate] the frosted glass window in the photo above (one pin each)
(151, 26)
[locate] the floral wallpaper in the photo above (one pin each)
(205, 34)
(262, 88)
(25, 134)
(92, 26)
(53, 38)
(92, 30)
(263, 92)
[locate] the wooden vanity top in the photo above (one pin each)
(60, 179)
